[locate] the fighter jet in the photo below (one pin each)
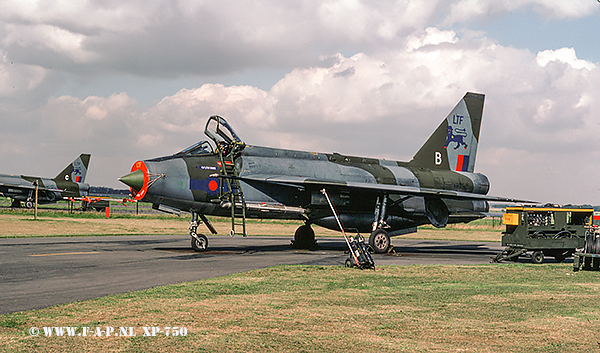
(384, 198)
(68, 183)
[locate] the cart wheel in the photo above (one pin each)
(537, 257)
(348, 263)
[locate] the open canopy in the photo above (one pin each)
(218, 130)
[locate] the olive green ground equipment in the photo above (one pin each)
(540, 231)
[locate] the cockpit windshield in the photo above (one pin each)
(202, 147)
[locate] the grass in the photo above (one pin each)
(53, 222)
(487, 308)
(61, 224)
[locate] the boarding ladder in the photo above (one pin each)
(231, 192)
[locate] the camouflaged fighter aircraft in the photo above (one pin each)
(68, 183)
(381, 197)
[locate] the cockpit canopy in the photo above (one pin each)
(202, 147)
(218, 130)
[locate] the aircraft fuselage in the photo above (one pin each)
(188, 182)
(21, 188)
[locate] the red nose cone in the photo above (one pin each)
(137, 180)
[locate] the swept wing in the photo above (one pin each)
(302, 183)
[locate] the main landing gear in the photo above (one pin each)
(304, 238)
(17, 204)
(380, 238)
(380, 241)
(200, 241)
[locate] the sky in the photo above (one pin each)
(130, 80)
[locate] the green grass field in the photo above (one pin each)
(56, 220)
(485, 308)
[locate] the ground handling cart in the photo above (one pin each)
(589, 258)
(359, 252)
(360, 256)
(539, 231)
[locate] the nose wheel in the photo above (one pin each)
(199, 242)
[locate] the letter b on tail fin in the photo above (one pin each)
(453, 145)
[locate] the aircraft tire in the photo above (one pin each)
(29, 204)
(380, 241)
(304, 238)
(200, 245)
(537, 257)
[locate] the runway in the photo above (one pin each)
(41, 272)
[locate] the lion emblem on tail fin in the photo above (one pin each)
(456, 135)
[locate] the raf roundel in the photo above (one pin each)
(213, 185)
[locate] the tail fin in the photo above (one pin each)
(453, 145)
(75, 171)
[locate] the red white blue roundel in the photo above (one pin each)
(212, 186)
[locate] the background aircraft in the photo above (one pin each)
(385, 198)
(68, 183)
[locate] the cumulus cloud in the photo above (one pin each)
(564, 55)
(174, 38)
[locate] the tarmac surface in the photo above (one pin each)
(41, 272)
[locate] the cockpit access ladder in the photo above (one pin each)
(229, 148)
(235, 197)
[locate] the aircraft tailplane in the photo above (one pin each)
(76, 171)
(453, 145)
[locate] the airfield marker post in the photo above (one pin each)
(36, 200)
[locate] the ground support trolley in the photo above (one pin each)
(589, 258)
(360, 256)
(540, 231)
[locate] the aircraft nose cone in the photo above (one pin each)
(134, 180)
